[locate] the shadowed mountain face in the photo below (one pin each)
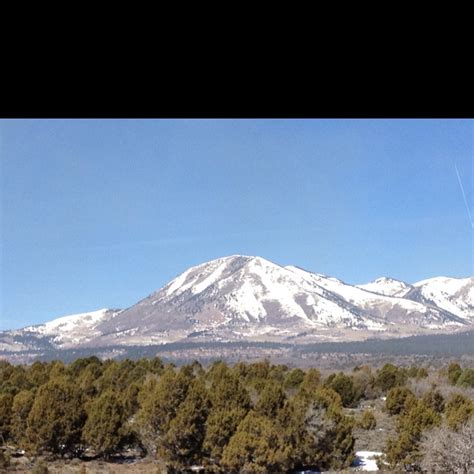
(250, 298)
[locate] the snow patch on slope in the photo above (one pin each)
(74, 328)
(455, 295)
(354, 294)
(69, 323)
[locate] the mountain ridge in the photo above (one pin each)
(241, 297)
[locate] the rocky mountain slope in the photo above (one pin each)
(251, 298)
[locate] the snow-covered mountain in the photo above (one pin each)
(236, 297)
(64, 332)
(250, 298)
(386, 286)
(455, 295)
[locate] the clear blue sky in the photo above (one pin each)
(102, 213)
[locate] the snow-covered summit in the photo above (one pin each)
(386, 286)
(242, 297)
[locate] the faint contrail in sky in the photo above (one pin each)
(464, 195)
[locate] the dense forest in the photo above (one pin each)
(255, 417)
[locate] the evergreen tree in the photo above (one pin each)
(271, 400)
(181, 445)
(434, 400)
(78, 366)
(466, 379)
(458, 409)
(105, 429)
(294, 379)
(56, 418)
(221, 425)
(159, 402)
(6, 402)
(257, 374)
(38, 374)
(404, 451)
(454, 372)
(364, 382)
(310, 383)
(315, 428)
(399, 399)
(130, 400)
(257, 446)
(57, 369)
(21, 408)
(230, 404)
(330, 443)
(389, 376)
(344, 386)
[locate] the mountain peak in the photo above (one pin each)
(386, 286)
(242, 297)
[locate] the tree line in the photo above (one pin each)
(255, 417)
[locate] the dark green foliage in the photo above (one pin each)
(388, 377)
(466, 379)
(271, 400)
(156, 365)
(259, 370)
(38, 374)
(21, 408)
(404, 450)
(78, 366)
(130, 399)
(278, 373)
(228, 392)
(159, 402)
(257, 446)
(250, 418)
(400, 452)
(257, 374)
(310, 383)
(293, 379)
(344, 386)
(281, 434)
(399, 399)
(56, 418)
(458, 410)
(454, 372)
(181, 446)
(13, 379)
(57, 369)
(230, 404)
(328, 442)
(418, 418)
(417, 372)
(105, 429)
(434, 400)
(6, 402)
(220, 427)
(217, 371)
